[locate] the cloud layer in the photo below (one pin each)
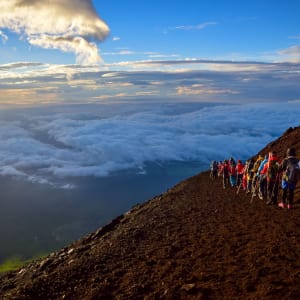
(29, 83)
(66, 25)
(51, 147)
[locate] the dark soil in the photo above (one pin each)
(196, 241)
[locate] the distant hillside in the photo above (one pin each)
(196, 241)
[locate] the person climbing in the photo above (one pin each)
(255, 179)
(213, 170)
(261, 172)
(232, 161)
(225, 173)
(232, 172)
(249, 175)
(244, 179)
(220, 166)
(239, 170)
(290, 175)
(272, 178)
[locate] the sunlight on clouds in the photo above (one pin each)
(291, 54)
(9, 97)
(200, 89)
(209, 81)
(149, 93)
(110, 96)
(71, 25)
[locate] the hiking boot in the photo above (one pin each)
(281, 204)
(289, 206)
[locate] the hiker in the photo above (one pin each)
(255, 179)
(262, 189)
(232, 172)
(272, 178)
(239, 170)
(232, 161)
(213, 170)
(220, 166)
(262, 194)
(244, 179)
(249, 175)
(225, 173)
(290, 175)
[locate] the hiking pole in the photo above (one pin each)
(238, 190)
(254, 191)
(274, 186)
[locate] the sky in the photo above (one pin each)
(89, 88)
(75, 51)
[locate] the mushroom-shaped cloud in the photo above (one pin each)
(66, 25)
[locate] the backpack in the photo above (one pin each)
(225, 170)
(292, 172)
(214, 166)
(256, 165)
(272, 170)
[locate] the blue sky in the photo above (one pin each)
(65, 51)
(256, 30)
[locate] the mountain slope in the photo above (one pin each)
(196, 241)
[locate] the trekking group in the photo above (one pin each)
(262, 177)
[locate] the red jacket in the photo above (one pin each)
(240, 168)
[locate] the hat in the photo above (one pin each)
(291, 152)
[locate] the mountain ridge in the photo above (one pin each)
(195, 241)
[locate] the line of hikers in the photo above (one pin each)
(262, 176)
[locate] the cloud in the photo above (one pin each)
(19, 65)
(193, 27)
(66, 25)
(120, 52)
(3, 37)
(292, 53)
(116, 38)
(196, 80)
(46, 147)
(200, 89)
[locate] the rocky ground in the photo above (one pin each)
(196, 241)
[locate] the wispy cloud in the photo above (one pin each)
(202, 89)
(193, 27)
(295, 37)
(19, 65)
(116, 38)
(72, 25)
(3, 37)
(120, 52)
(291, 53)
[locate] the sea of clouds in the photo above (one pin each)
(46, 147)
